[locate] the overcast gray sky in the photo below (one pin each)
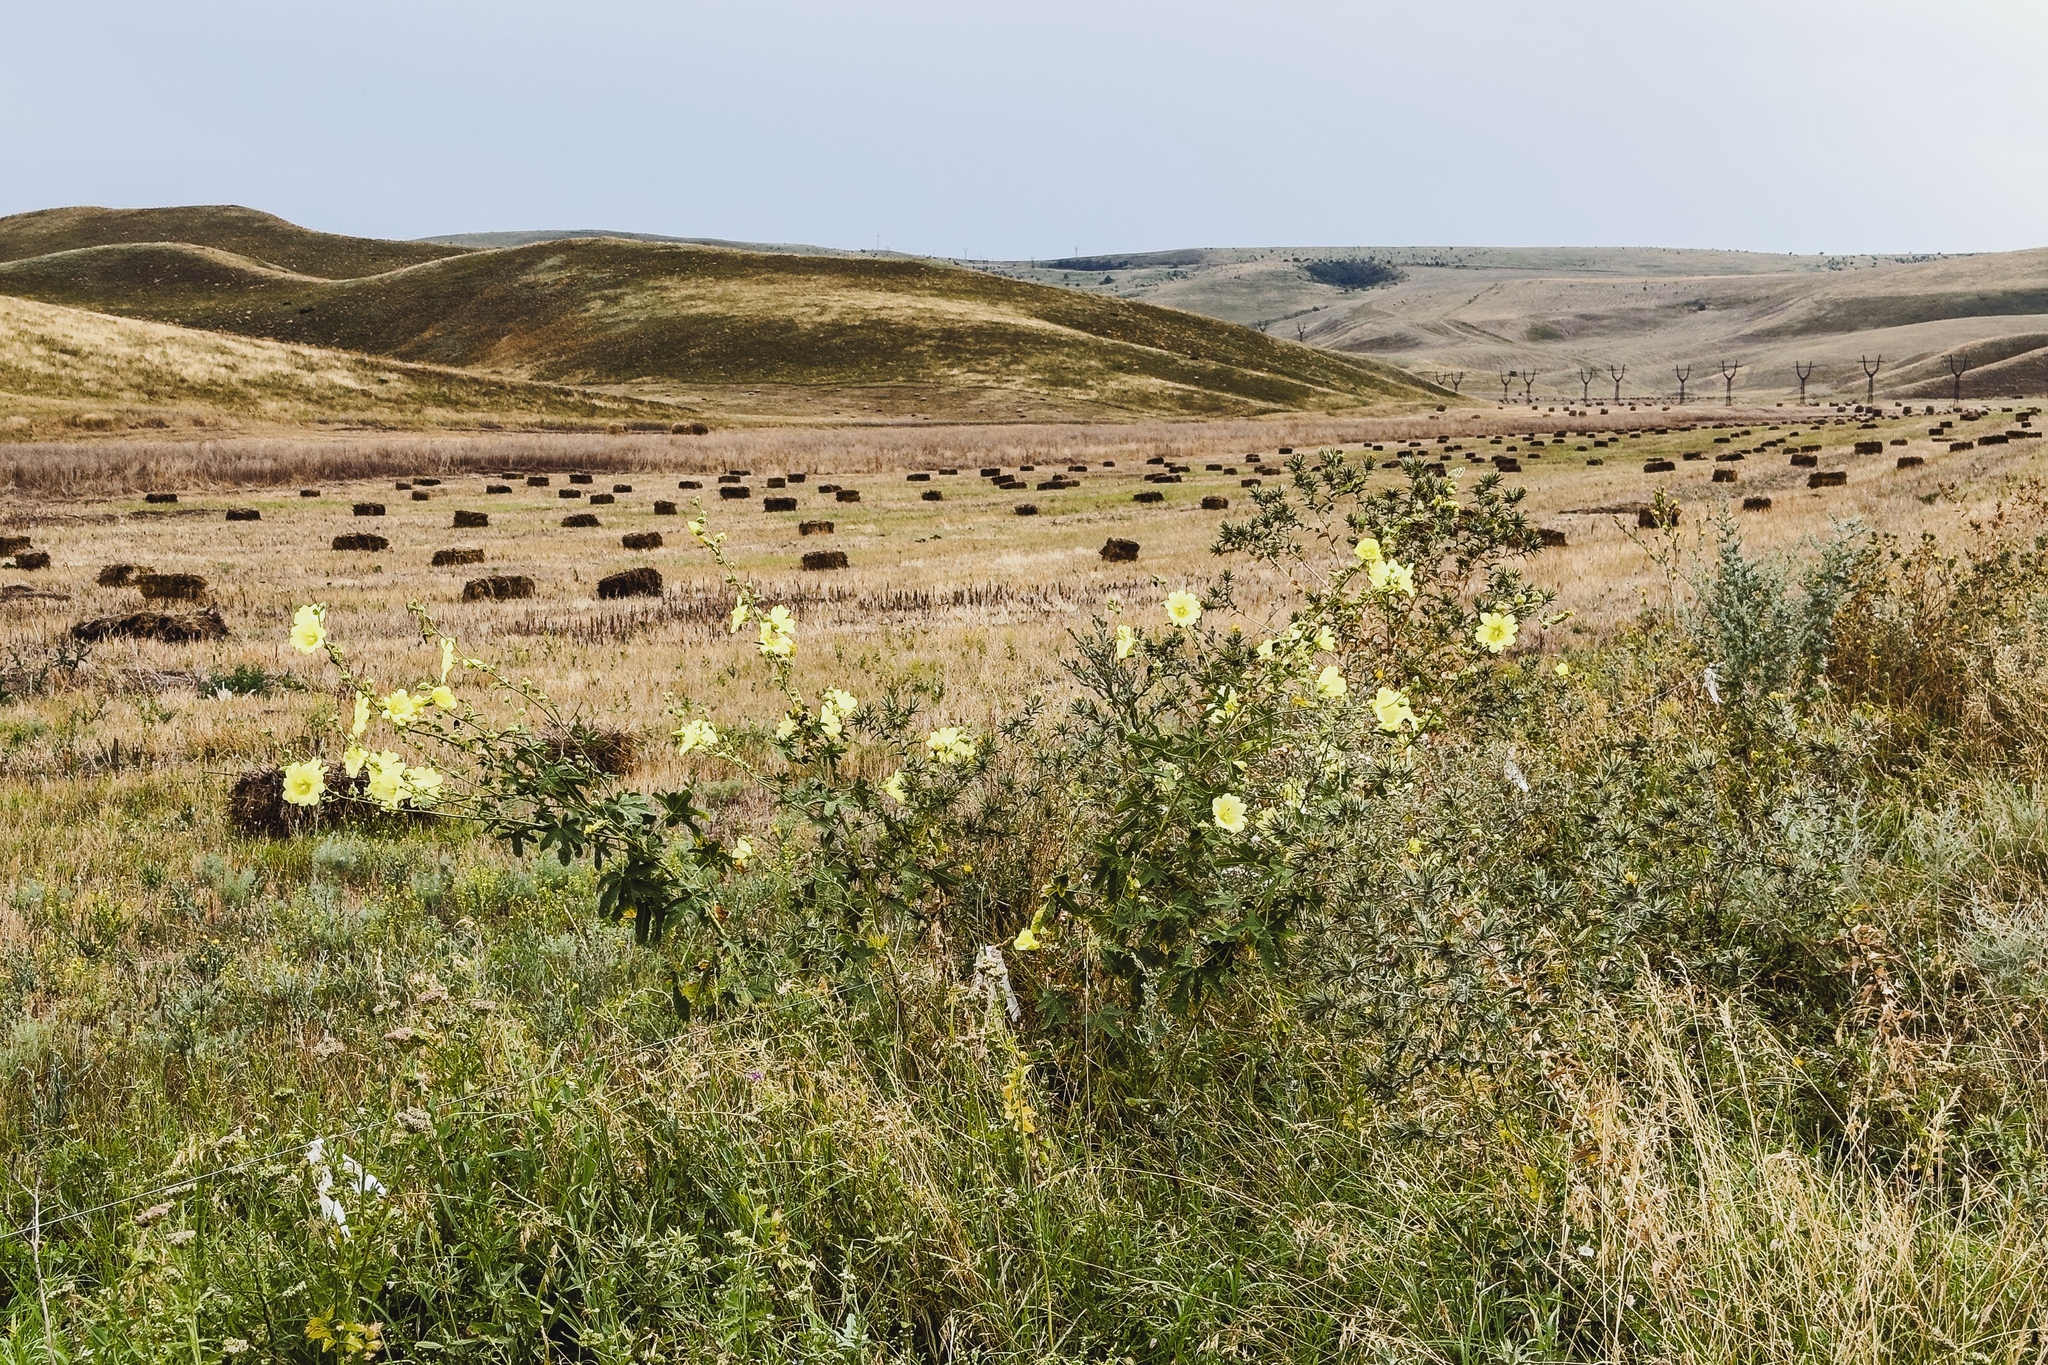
(1031, 130)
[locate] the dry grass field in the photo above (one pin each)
(749, 1143)
(960, 590)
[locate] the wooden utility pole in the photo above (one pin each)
(1528, 382)
(1956, 365)
(1683, 375)
(1619, 375)
(1728, 372)
(1587, 374)
(1870, 369)
(1457, 381)
(1506, 377)
(1804, 369)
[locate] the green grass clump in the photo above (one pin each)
(1676, 1001)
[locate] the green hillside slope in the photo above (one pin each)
(261, 237)
(689, 323)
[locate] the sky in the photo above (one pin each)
(1022, 131)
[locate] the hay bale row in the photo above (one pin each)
(171, 587)
(1827, 478)
(778, 504)
(459, 555)
(164, 627)
(497, 588)
(814, 528)
(1148, 496)
(1215, 503)
(362, 541)
(816, 560)
(641, 582)
(469, 521)
(244, 514)
(119, 575)
(1119, 551)
(580, 519)
(641, 540)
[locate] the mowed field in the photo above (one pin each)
(961, 591)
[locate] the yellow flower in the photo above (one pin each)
(785, 727)
(305, 783)
(1415, 846)
(1367, 550)
(1497, 630)
(778, 634)
(844, 702)
(309, 629)
(894, 787)
(1330, 682)
(401, 708)
(693, 735)
(1326, 639)
(696, 526)
(1026, 940)
(1390, 707)
(828, 720)
(1564, 670)
(424, 785)
(1183, 608)
(740, 612)
(352, 760)
(1228, 811)
(1390, 577)
(742, 852)
(447, 657)
(362, 721)
(443, 697)
(387, 779)
(1265, 650)
(950, 746)
(1126, 641)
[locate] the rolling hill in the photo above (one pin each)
(262, 237)
(64, 370)
(1443, 311)
(740, 333)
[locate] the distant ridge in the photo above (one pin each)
(485, 241)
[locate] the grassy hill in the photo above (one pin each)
(1557, 310)
(734, 331)
(261, 237)
(64, 370)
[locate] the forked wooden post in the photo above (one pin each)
(1804, 369)
(1619, 375)
(1728, 373)
(1683, 375)
(1956, 365)
(1870, 369)
(1587, 374)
